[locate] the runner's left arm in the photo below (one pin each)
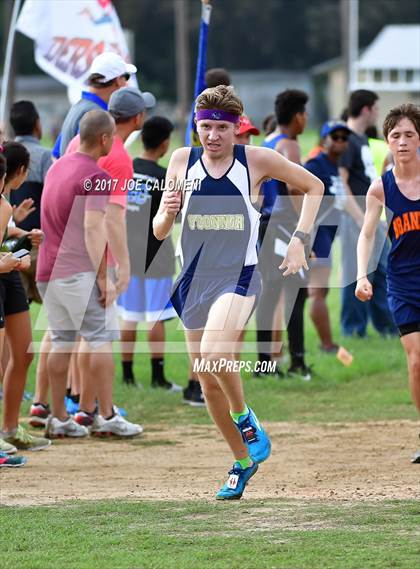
(271, 164)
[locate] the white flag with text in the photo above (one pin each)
(69, 34)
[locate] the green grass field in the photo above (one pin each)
(269, 535)
(276, 533)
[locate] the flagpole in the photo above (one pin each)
(182, 60)
(353, 42)
(8, 61)
(191, 138)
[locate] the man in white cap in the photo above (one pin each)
(108, 73)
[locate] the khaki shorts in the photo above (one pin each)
(73, 309)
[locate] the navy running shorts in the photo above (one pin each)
(194, 294)
(406, 315)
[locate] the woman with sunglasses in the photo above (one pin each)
(334, 136)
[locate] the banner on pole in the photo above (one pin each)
(69, 34)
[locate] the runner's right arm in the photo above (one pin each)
(171, 202)
(374, 205)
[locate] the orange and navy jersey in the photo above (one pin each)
(408, 221)
(404, 231)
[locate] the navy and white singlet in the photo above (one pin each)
(403, 274)
(218, 243)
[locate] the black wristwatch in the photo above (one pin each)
(305, 238)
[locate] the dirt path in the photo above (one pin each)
(354, 461)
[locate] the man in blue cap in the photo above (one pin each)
(334, 136)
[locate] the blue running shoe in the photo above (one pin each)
(255, 438)
(11, 461)
(235, 485)
(71, 407)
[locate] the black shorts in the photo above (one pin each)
(405, 329)
(12, 295)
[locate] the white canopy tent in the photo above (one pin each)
(392, 61)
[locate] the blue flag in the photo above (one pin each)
(191, 138)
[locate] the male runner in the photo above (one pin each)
(334, 135)
(219, 284)
(399, 191)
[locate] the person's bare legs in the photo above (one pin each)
(128, 339)
(58, 362)
(227, 318)
(278, 327)
(128, 342)
(73, 380)
(42, 383)
(216, 401)
(2, 336)
(156, 337)
(240, 343)
(411, 344)
(19, 339)
(88, 395)
(5, 356)
(318, 290)
(97, 377)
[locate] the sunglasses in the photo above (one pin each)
(336, 137)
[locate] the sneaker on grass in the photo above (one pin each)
(193, 394)
(238, 479)
(302, 372)
(168, 385)
(117, 426)
(57, 429)
(268, 373)
(11, 461)
(22, 440)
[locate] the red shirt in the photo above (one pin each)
(119, 166)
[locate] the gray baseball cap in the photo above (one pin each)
(129, 101)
